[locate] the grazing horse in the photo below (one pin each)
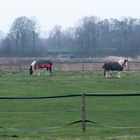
(36, 65)
(114, 66)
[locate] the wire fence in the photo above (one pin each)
(61, 65)
(83, 119)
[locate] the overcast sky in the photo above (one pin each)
(64, 12)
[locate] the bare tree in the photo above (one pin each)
(25, 32)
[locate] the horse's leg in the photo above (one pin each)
(50, 69)
(119, 74)
(46, 72)
(109, 74)
(38, 73)
(104, 72)
(35, 72)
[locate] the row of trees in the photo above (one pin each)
(92, 37)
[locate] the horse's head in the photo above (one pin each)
(32, 66)
(31, 70)
(123, 62)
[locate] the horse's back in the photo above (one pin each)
(113, 66)
(43, 61)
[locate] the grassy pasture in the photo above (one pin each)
(120, 112)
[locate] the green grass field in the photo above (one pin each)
(117, 118)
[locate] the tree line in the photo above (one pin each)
(91, 37)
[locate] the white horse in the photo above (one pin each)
(115, 66)
(38, 65)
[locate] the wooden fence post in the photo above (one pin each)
(83, 113)
(19, 66)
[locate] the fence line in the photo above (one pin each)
(83, 108)
(69, 96)
(62, 65)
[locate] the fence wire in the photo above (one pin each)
(94, 124)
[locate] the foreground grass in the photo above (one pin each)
(120, 112)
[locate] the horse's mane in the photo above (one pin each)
(113, 58)
(122, 61)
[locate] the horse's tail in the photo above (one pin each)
(104, 69)
(104, 65)
(104, 72)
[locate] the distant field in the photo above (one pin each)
(117, 118)
(22, 64)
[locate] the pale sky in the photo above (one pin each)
(65, 13)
